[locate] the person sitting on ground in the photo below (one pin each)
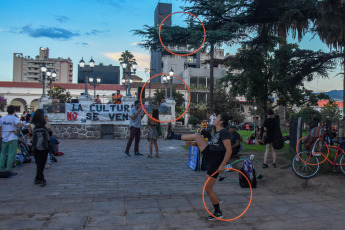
(217, 151)
(235, 140)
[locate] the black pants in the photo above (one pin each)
(41, 159)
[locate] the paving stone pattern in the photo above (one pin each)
(94, 186)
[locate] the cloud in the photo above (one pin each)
(62, 19)
(113, 3)
(85, 44)
(143, 59)
(1, 29)
(49, 32)
(136, 43)
(94, 32)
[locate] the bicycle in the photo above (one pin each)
(233, 177)
(306, 164)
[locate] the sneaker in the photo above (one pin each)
(14, 173)
(168, 133)
(274, 165)
(265, 166)
(219, 215)
(138, 154)
(221, 178)
(43, 183)
(126, 154)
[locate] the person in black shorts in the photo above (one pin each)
(217, 152)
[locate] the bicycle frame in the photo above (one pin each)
(336, 154)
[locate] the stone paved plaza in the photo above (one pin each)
(94, 186)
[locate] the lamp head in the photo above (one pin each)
(54, 74)
(124, 65)
(98, 80)
(123, 81)
(134, 66)
(90, 79)
(49, 73)
(171, 72)
(82, 63)
(92, 63)
(43, 68)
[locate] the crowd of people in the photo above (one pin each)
(35, 129)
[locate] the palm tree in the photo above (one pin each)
(330, 26)
(127, 57)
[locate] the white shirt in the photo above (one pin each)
(212, 119)
(9, 125)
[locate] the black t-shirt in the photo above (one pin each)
(269, 123)
(234, 137)
(216, 143)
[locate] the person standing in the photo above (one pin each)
(217, 152)
(134, 128)
(97, 100)
(314, 122)
(117, 98)
(269, 127)
(10, 127)
(211, 120)
(39, 121)
(152, 132)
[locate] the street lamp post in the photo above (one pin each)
(165, 82)
(134, 66)
(51, 77)
(94, 82)
(82, 65)
(43, 79)
(170, 78)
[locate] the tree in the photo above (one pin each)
(330, 26)
(227, 103)
(177, 96)
(331, 111)
(306, 113)
(127, 57)
(60, 93)
(265, 70)
(218, 32)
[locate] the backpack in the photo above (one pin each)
(313, 135)
(248, 170)
(278, 139)
(40, 139)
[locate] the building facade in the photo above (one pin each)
(27, 69)
(158, 58)
(108, 74)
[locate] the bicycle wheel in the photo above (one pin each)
(302, 169)
(342, 161)
(232, 175)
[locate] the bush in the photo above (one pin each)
(193, 121)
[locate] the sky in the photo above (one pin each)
(100, 29)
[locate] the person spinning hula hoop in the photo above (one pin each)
(217, 152)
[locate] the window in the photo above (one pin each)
(193, 82)
(202, 98)
(17, 108)
(194, 97)
(202, 82)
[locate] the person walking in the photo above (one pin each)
(217, 152)
(152, 132)
(134, 127)
(39, 121)
(269, 127)
(10, 127)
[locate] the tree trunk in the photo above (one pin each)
(211, 78)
